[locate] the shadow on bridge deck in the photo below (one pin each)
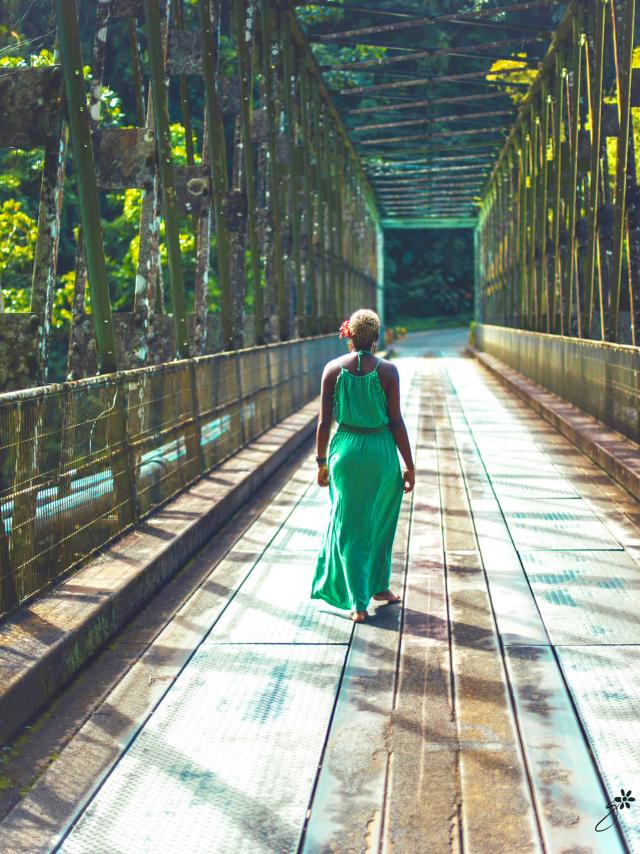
(494, 710)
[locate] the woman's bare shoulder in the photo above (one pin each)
(387, 368)
(332, 367)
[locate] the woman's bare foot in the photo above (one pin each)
(386, 596)
(358, 616)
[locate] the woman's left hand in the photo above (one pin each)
(323, 475)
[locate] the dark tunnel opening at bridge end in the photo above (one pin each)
(428, 277)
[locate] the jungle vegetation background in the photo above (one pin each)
(428, 277)
(429, 273)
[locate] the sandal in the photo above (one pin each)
(358, 616)
(387, 596)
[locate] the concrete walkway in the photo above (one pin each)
(495, 710)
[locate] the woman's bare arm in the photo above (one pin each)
(326, 409)
(396, 421)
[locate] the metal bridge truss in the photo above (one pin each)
(293, 226)
(558, 237)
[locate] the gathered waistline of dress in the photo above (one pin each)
(350, 428)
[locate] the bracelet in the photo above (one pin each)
(321, 461)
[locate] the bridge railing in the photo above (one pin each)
(81, 462)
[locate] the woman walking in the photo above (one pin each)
(362, 471)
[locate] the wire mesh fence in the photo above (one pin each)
(81, 462)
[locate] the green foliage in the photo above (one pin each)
(18, 233)
(506, 71)
(428, 273)
(227, 62)
(20, 177)
(437, 321)
(34, 60)
(310, 15)
(121, 234)
(330, 54)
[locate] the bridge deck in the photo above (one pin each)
(494, 711)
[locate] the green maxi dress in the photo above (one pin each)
(366, 489)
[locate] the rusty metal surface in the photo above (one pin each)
(30, 100)
(569, 794)
(125, 157)
(20, 336)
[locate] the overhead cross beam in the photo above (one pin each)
(443, 134)
(425, 102)
(467, 17)
(432, 120)
(443, 78)
(434, 53)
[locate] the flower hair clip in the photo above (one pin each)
(345, 331)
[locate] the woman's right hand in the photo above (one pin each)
(323, 475)
(409, 479)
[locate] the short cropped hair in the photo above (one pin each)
(364, 325)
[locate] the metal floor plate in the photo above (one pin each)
(226, 763)
(519, 466)
(532, 486)
(303, 530)
(605, 684)
(584, 584)
(273, 606)
(566, 784)
(584, 597)
(548, 524)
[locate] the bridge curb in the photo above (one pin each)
(618, 455)
(43, 646)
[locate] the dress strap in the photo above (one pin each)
(359, 353)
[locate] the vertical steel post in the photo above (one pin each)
(556, 201)
(522, 227)
(218, 167)
(184, 97)
(43, 282)
(477, 281)
(533, 278)
(163, 141)
(595, 121)
(318, 131)
(379, 236)
(79, 126)
(621, 167)
(244, 33)
(309, 260)
(275, 190)
(574, 109)
(289, 80)
(542, 223)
